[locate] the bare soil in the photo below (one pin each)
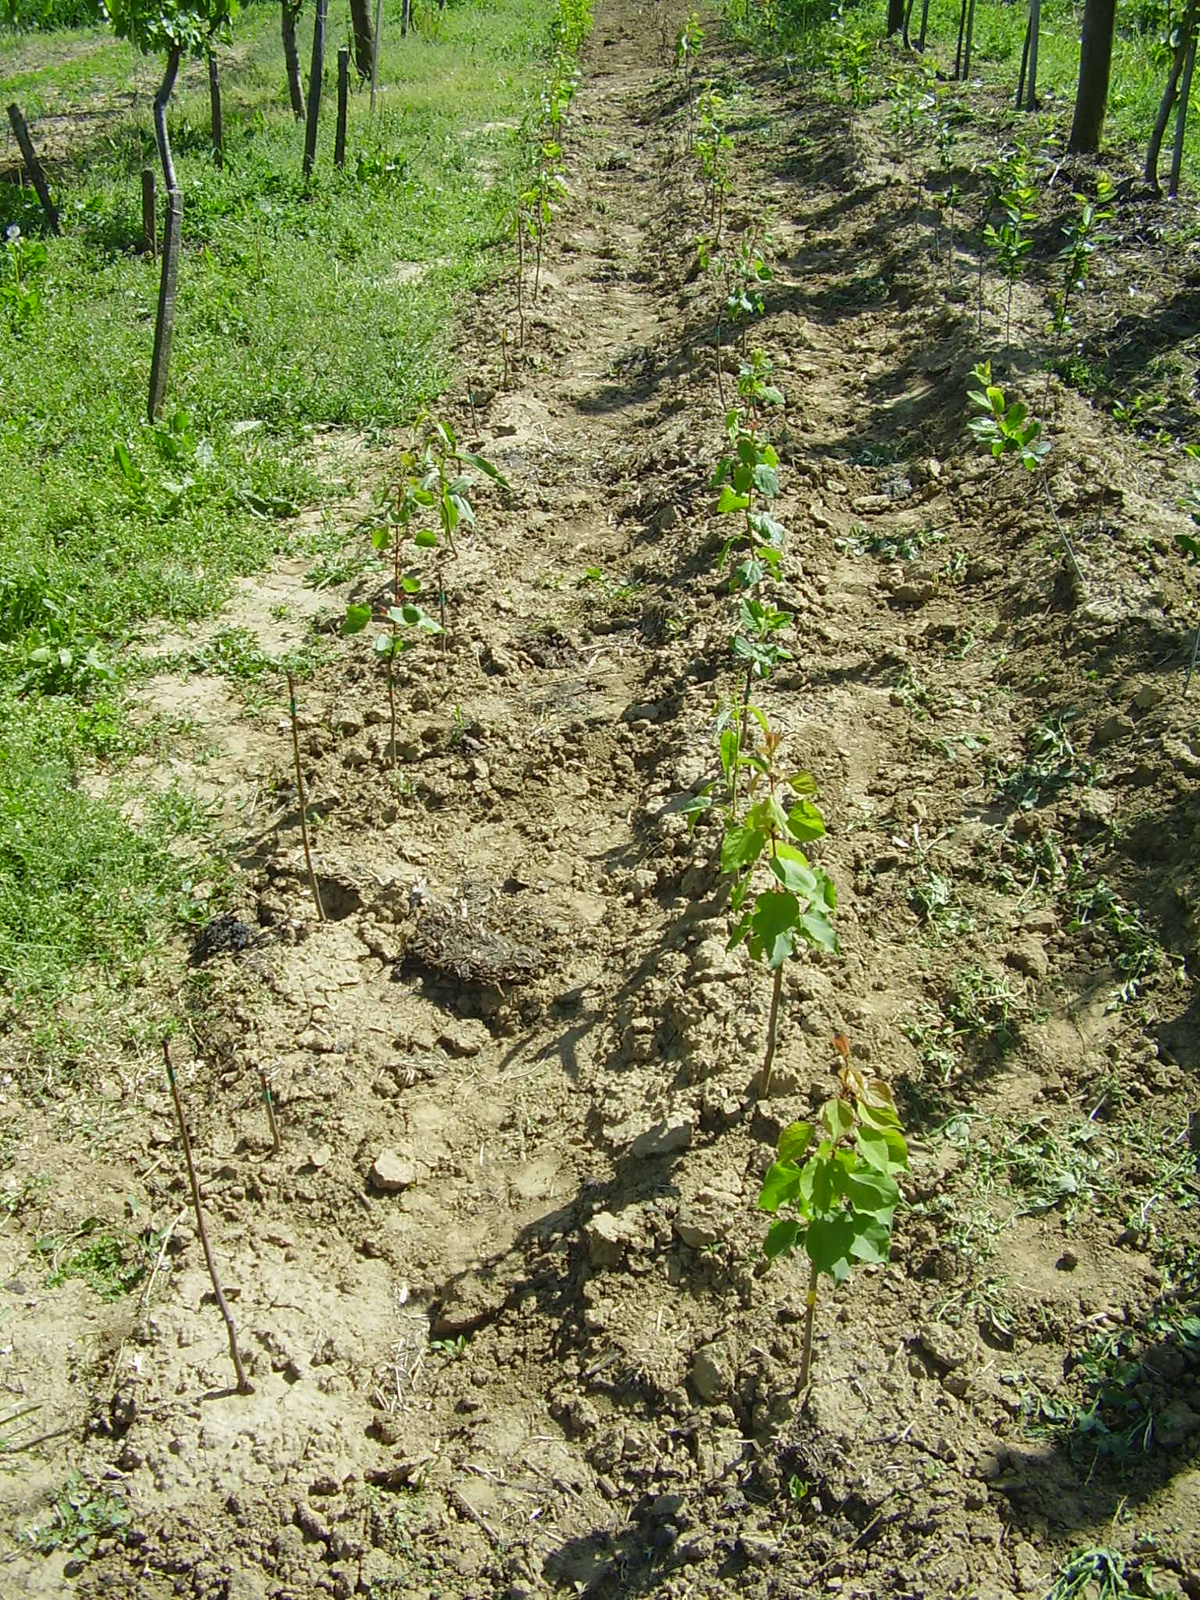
(501, 1293)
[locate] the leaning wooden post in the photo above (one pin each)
(149, 215)
(339, 147)
(314, 86)
(164, 322)
(375, 52)
(214, 101)
(33, 166)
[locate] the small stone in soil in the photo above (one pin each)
(391, 1173)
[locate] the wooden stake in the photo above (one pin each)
(312, 876)
(33, 166)
(339, 147)
(149, 215)
(244, 1386)
(316, 71)
(164, 322)
(214, 101)
(375, 52)
(1185, 95)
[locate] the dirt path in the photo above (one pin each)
(502, 1294)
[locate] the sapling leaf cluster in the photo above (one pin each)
(1010, 243)
(423, 507)
(688, 41)
(838, 1175)
(782, 902)
(1005, 427)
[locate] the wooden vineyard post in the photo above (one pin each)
(339, 148)
(149, 215)
(214, 101)
(314, 86)
(375, 52)
(1185, 94)
(164, 322)
(33, 166)
(290, 10)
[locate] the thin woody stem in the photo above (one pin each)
(244, 1386)
(312, 876)
(810, 1313)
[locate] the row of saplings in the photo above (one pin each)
(834, 1177)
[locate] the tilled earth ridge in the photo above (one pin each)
(501, 1294)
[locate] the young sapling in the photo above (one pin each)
(1003, 427)
(1084, 234)
(430, 488)
(1007, 428)
(838, 1173)
(793, 908)
(1011, 244)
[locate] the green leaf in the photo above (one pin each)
(729, 501)
(803, 783)
(873, 1193)
(782, 1238)
(817, 929)
(411, 585)
(766, 481)
(740, 847)
(872, 1240)
(795, 1140)
(829, 1243)
(805, 822)
(837, 1117)
(780, 1186)
(729, 750)
(486, 467)
(794, 875)
(773, 920)
(426, 539)
(872, 1146)
(356, 619)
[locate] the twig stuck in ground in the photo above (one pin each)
(244, 1386)
(276, 1144)
(312, 876)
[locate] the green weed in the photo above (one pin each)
(1051, 764)
(106, 1259)
(888, 544)
(82, 1516)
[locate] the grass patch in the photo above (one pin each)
(300, 308)
(79, 885)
